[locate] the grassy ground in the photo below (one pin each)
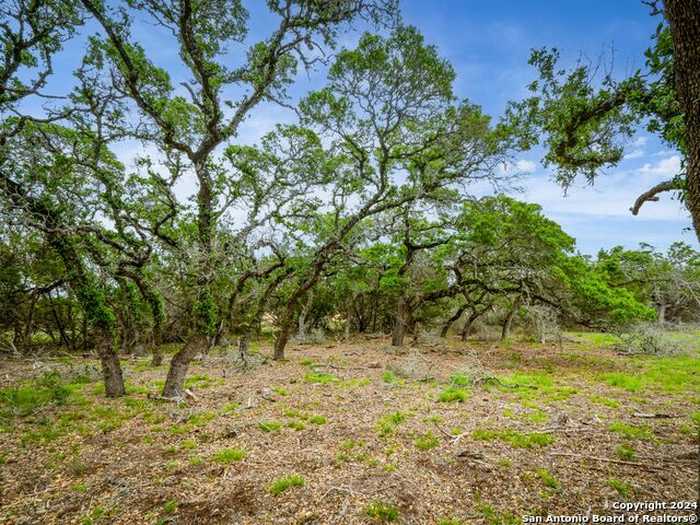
(353, 433)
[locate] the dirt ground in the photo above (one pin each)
(439, 434)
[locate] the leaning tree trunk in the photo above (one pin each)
(452, 320)
(282, 340)
(467, 328)
(684, 19)
(180, 363)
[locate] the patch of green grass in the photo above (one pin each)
(296, 425)
(389, 377)
(387, 424)
(460, 379)
(515, 439)
(537, 385)
(280, 391)
(80, 488)
(270, 426)
(606, 401)
(628, 431)
(24, 399)
(170, 506)
(536, 416)
(453, 394)
(286, 482)
(493, 517)
(200, 381)
(625, 452)
(548, 479)
(227, 456)
(382, 511)
(306, 361)
(320, 378)
(426, 441)
(450, 521)
(354, 382)
(623, 488)
(629, 382)
(230, 408)
(318, 420)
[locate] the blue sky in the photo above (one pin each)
(488, 43)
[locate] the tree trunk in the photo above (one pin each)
(467, 328)
(684, 19)
(400, 323)
(282, 340)
(243, 349)
(451, 320)
(111, 369)
(507, 322)
(661, 314)
(180, 363)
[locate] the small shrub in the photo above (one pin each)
(625, 452)
(227, 456)
(280, 485)
(623, 488)
(170, 506)
(426, 441)
(548, 479)
(380, 511)
(387, 424)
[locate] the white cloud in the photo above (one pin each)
(667, 167)
(521, 166)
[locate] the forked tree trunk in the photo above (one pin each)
(452, 320)
(467, 328)
(111, 369)
(180, 363)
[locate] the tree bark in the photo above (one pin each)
(466, 330)
(508, 321)
(400, 323)
(684, 19)
(111, 370)
(282, 340)
(451, 320)
(180, 363)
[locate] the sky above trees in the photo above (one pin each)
(489, 44)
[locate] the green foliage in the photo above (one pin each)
(631, 431)
(623, 488)
(548, 479)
